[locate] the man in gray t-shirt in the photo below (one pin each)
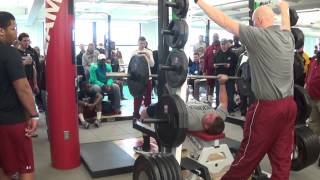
(269, 125)
(201, 116)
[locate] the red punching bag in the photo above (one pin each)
(60, 74)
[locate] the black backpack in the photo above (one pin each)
(244, 83)
(298, 69)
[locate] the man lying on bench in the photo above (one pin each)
(201, 116)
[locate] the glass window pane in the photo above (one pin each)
(83, 32)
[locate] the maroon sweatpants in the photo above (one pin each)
(16, 153)
(146, 100)
(269, 129)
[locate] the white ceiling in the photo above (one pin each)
(27, 11)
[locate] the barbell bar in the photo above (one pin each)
(119, 74)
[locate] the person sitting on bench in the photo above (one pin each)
(103, 84)
(201, 116)
(89, 99)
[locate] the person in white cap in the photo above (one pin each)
(104, 84)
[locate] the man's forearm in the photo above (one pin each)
(223, 96)
(220, 18)
(285, 19)
(98, 99)
(24, 93)
(35, 83)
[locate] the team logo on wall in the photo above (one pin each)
(51, 10)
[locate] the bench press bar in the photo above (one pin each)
(115, 74)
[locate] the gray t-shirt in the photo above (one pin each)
(196, 110)
(271, 54)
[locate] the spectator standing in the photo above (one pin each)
(146, 98)
(80, 69)
(200, 46)
(208, 64)
(225, 62)
(89, 57)
(101, 48)
(29, 61)
(18, 115)
(313, 88)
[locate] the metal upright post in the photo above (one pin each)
(94, 33)
(163, 48)
(251, 7)
(207, 38)
(109, 36)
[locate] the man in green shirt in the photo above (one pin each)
(103, 84)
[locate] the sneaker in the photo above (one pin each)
(97, 123)
(86, 125)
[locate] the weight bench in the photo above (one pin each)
(215, 157)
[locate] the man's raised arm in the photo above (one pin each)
(285, 19)
(219, 17)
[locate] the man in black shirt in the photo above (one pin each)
(18, 115)
(30, 60)
(89, 99)
(225, 62)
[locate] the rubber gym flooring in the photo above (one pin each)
(119, 130)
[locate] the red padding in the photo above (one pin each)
(205, 136)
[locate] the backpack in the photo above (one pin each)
(298, 69)
(244, 83)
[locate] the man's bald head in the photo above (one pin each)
(263, 16)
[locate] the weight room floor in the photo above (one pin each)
(116, 131)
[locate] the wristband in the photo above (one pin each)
(35, 117)
(196, 1)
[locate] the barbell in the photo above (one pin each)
(121, 74)
(176, 70)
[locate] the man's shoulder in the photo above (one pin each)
(7, 50)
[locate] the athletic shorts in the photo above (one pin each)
(16, 153)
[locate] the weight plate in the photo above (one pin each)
(145, 169)
(178, 59)
(303, 102)
(182, 8)
(183, 121)
(175, 166)
(138, 71)
(171, 166)
(169, 134)
(179, 34)
(306, 148)
(293, 16)
(167, 165)
(163, 168)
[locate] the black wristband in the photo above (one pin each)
(34, 116)
(195, 1)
